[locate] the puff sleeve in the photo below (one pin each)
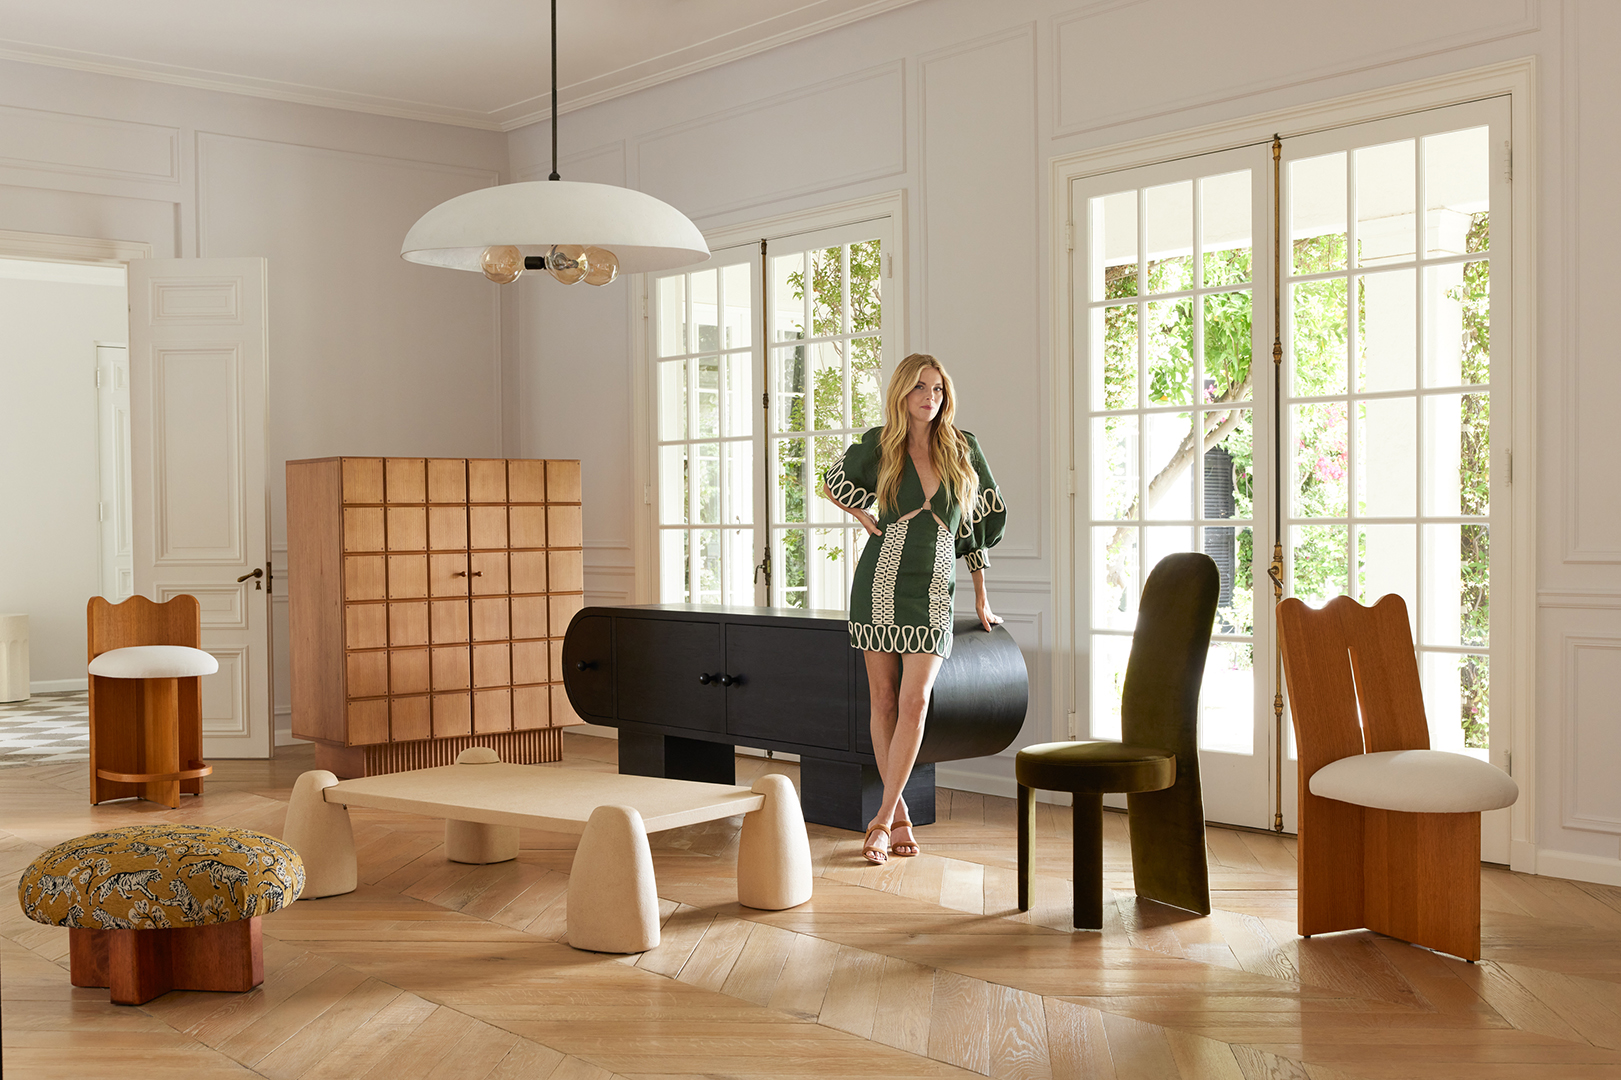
(984, 522)
(853, 480)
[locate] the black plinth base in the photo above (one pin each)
(645, 754)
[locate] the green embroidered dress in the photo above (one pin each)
(901, 598)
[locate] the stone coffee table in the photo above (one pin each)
(612, 896)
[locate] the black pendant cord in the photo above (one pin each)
(554, 175)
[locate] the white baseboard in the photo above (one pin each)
(1578, 867)
(58, 686)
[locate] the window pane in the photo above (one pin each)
(1114, 338)
(1456, 701)
(672, 485)
(706, 589)
(1233, 551)
(706, 309)
(1387, 457)
(1317, 214)
(1224, 222)
(830, 549)
(1168, 350)
(673, 399)
(829, 450)
(1387, 331)
(1114, 246)
(1386, 225)
(788, 285)
(1229, 465)
(788, 472)
(1457, 453)
(1114, 578)
(1109, 655)
(1457, 585)
(708, 396)
(740, 559)
(739, 506)
(788, 366)
(1317, 338)
(740, 406)
(706, 457)
(827, 284)
(866, 291)
(1457, 191)
(1168, 217)
(1319, 562)
(673, 566)
(1319, 459)
(866, 388)
(1114, 467)
(672, 330)
(1170, 465)
(827, 384)
(739, 315)
(1227, 699)
(1228, 347)
(790, 567)
(1387, 559)
(1162, 540)
(1457, 322)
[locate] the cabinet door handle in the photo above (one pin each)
(585, 665)
(705, 678)
(727, 680)
(477, 573)
(459, 573)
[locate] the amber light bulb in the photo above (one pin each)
(501, 264)
(604, 266)
(567, 263)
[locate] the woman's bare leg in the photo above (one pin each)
(883, 692)
(896, 751)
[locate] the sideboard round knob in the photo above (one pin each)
(705, 678)
(585, 665)
(727, 680)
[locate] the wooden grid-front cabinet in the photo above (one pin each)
(428, 602)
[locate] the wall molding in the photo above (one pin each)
(1528, 22)
(162, 145)
(58, 686)
(48, 247)
(1571, 750)
(1578, 867)
(1601, 599)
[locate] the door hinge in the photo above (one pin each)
(1072, 483)
(98, 378)
(647, 494)
(1508, 469)
(1508, 762)
(644, 305)
(101, 511)
(765, 399)
(1508, 161)
(270, 579)
(1069, 236)
(889, 264)
(1072, 725)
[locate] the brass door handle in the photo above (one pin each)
(258, 572)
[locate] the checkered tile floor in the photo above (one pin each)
(47, 729)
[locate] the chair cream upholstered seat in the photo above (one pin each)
(154, 662)
(1416, 782)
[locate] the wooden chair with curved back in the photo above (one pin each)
(146, 704)
(1389, 829)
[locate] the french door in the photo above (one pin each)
(768, 362)
(1370, 444)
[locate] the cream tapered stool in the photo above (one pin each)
(143, 748)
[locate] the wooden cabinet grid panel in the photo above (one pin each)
(426, 599)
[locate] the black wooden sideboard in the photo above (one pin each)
(686, 683)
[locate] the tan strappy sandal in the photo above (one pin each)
(897, 846)
(872, 852)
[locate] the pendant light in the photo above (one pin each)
(575, 232)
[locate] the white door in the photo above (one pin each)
(197, 419)
(113, 507)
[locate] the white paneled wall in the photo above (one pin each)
(986, 95)
(368, 354)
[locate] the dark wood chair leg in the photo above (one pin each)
(1088, 861)
(1027, 844)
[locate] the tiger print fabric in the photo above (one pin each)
(156, 877)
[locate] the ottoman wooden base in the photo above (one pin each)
(139, 965)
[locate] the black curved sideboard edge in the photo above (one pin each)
(687, 683)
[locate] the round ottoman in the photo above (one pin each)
(154, 908)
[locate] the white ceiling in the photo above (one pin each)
(477, 63)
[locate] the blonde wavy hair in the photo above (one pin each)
(948, 447)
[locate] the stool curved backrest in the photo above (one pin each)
(1159, 707)
(116, 704)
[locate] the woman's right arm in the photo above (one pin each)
(860, 515)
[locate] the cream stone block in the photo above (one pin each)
(474, 842)
(613, 904)
(773, 854)
(323, 837)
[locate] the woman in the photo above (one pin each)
(936, 501)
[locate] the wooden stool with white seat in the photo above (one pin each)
(146, 669)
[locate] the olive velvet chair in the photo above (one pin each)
(1157, 765)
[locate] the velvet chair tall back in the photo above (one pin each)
(117, 705)
(1160, 707)
(1389, 829)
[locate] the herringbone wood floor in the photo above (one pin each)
(921, 968)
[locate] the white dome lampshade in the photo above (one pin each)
(642, 232)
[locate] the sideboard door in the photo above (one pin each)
(588, 652)
(791, 685)
(657, 664)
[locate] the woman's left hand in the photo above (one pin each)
(987, 617)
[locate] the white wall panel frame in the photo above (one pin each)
(1518, 81)
(1591, 796)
